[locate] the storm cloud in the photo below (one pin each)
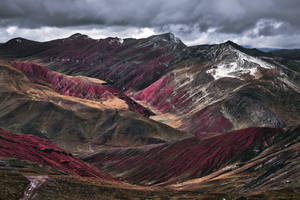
(189, 19)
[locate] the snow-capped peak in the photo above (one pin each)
(173, 38)
(243, 64)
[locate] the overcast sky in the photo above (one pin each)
(259, 23)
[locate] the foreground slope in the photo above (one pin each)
(264, 166)
(276, 168)
(34, 168)
(203, 156)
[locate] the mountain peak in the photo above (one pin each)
(230, 42)
(167, 37)
(233, 44)
(78, 36)
(250, 51)
(17, 40)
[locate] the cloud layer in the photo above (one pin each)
(192, 20)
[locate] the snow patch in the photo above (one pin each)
(231, 70)
(91, 148)
(116, 40)
(230, 167)
(174, 38)
(289, 83)
(244, 64)
(35, 182)
(121, 40)
(245, 57)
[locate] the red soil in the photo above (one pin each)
(157, 95)
(74, 86)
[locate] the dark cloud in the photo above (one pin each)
(230, 15)
(187, 18)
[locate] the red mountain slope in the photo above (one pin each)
(186, 159)
(76, 86)
(41, 151)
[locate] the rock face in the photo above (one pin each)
(199, 89)
(41, 151)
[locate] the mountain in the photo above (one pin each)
(206, 88)
(268, 49)
(133, 61)
(222, 89)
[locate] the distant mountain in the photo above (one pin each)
(293, 54)
(261, 49)
(268, 49)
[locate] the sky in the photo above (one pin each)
(257, 23)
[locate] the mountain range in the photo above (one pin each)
(148, 118)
